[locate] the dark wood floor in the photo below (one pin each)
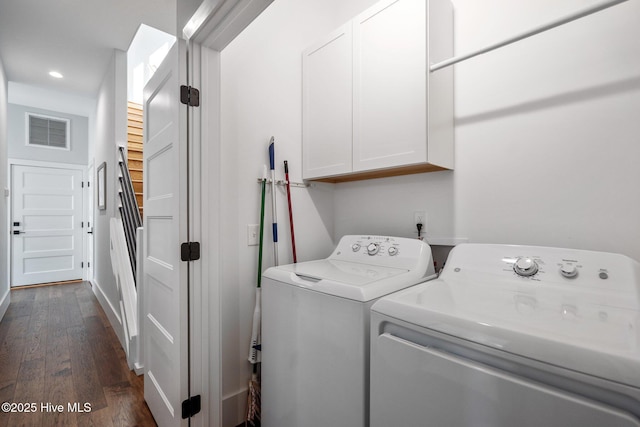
(57, 346)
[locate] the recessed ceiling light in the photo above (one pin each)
(55, 74)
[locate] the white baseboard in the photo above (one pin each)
(4, 303)
(138, 368)
(110, 311)
(234, 407)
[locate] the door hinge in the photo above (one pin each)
(82, 184)
(82, 224)
(82, 264)
(190, 251)
(191, 407)
(88, 184)
(190, 96)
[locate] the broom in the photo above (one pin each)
(253, 397)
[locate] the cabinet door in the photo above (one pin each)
(327, 105)
(390, 110)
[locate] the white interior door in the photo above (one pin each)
(165, 222)
(46, 224)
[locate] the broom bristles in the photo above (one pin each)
(253, 402)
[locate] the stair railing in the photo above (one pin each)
(128, 208)
(127, 293)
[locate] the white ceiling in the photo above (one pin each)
(74, 37)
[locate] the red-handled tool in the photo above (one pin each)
(293, 237)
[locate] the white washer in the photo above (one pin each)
(315, 329)
(511, 336)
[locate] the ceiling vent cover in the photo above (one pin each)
(44, 131)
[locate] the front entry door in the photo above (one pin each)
(165, 284)
(46, 225)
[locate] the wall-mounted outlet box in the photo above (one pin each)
(420, 217)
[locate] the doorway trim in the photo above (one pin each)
(89, 214)
(36, 163)
(212, 27)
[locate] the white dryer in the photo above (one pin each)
(315, 329)
(511, 336)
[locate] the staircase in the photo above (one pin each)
(127, 237)
(134, 148)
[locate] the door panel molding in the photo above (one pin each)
(79, 251)
(165, 284)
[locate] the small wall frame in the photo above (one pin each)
(102, 186)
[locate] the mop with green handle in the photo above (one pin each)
(253, 398)
(254, 346)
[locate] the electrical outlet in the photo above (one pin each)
(420, 217)
(253, 232)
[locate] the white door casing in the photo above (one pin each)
(46, 219)
(90, 188)
(165, 222)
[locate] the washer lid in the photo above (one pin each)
(360, 282)
(587, 331)
(348, 273)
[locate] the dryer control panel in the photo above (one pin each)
(545, 265)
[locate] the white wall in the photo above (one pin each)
(78, 141)
(4, 236)
(146, 52)
(546, 137)
(60, 102)
(547, 130)
(546, 142)
(111, 116)
(261, 97)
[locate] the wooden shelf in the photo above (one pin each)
(383, 173)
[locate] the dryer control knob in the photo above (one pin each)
(525, 266)
(393, 251)
(373, 248)
(355, 247)
(568, 270)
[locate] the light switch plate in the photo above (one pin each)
(252, 234)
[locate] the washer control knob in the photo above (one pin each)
(568, 270)
(355, 247)
(393, 251)
(525, 266)
(373, 248)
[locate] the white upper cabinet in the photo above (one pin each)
(390, 103)
(400, 116)
(327, 109)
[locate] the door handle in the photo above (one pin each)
(18, 232)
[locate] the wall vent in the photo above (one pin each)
(45, 131)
